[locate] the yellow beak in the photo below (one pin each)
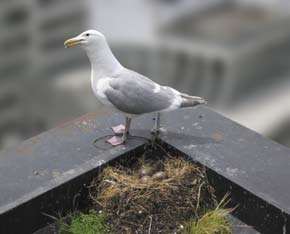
(72, 42)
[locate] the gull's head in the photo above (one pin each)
(87, 39)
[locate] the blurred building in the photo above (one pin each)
(233, 53)
(240, 48)
(32, 33)
(31, 51)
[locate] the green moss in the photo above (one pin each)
(90, 223)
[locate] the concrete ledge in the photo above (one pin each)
(46, 174)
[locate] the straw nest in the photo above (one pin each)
(152, 196)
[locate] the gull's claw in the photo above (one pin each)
(115, 140)
(119, 130)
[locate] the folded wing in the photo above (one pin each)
(133, 93)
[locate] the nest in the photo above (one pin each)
(152, 196)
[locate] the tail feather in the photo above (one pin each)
(188, 100)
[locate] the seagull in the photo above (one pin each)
(123, 90)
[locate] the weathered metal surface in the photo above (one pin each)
(54, 166)
(49, 160)
(256, 168)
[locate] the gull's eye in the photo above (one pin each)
(87, 34)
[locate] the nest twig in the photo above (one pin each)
(135, 205)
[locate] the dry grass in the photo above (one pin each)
(146, 204)
(212, 222)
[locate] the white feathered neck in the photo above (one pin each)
(103, 62)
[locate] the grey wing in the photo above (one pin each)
(132, 93)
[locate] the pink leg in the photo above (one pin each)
(119, 130)
(116, 140)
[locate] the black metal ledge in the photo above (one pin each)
(253, 168)
(46, 174)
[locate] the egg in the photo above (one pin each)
(145, 178)
(147, 171)
(160, 175)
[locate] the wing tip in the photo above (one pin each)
(188, 101)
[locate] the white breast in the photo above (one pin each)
(100, 88)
